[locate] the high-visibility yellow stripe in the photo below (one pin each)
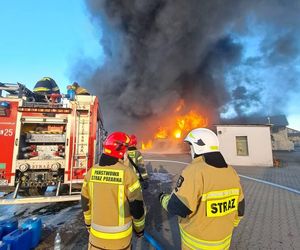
(111, 229)
(84, 183)
(195, 243)
(165, 201)
(134, 186)
(140, 158)
(87, 216)
(111, 236)
(55, 89)
(139, 223)
(121, 205)
(214, 147)
(41, 89)
(91, 193)
(131, 154)
(236, 221)
(220, 194)
(187, 244)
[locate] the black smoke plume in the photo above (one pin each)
(158, 52)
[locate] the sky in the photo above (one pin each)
(43, 38)
(47, 38)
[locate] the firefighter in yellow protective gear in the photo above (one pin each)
(135, 161)
(208, 197)
(111, 198)
(79, 90)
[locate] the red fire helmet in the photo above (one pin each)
(133, 141)
(116, 144)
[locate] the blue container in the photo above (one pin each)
(8, 226)
(3, 246)
(35, 225)
(19, 239)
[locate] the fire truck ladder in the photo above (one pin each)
(16, 89)
(81, 144)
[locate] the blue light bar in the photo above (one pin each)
(5, 105)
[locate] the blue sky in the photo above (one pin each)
(46, 38)
(42, 38)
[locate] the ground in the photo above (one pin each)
(271, 221)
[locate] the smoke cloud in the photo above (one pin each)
(161, 51)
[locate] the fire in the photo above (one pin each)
(147, 145)
(187, 122)
(177, 126)
(177, 134)
(161, 133)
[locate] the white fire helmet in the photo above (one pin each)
(202, 140)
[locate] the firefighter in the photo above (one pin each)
(208, 197)
(79, 90)
(44, 88)
(136, 162)
(111, 198)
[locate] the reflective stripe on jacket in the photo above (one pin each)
(108, 194)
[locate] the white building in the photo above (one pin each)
(294, 136)
(246, 145)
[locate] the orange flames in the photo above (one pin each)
(147, 145)
(178, 126)
(161, 133)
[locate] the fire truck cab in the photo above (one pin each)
(47, 143)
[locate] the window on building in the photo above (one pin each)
(242, 145)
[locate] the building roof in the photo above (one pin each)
(243, 125)
(277, 121)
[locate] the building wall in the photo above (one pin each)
(280, 140)
(258, 140)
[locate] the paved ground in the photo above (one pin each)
(272, 218)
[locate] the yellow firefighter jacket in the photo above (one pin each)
(212, 196)
(137, 158)
(81, 91)
(112, 203)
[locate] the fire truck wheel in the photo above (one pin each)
(34, 191)
(64, 189)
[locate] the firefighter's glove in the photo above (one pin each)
(161, 196)
(145, 184)
(139, 234)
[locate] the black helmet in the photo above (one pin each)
(46, 86)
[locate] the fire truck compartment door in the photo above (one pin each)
(7, 141)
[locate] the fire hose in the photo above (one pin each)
(152, 241)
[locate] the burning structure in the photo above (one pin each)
(175, 127)
(219, 58)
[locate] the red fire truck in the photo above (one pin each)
(46, 143)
